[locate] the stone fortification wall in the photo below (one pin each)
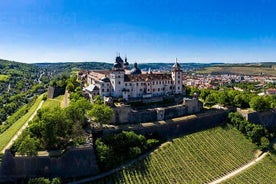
(176, 126)
(125, 114)
(55, 91)
(76, 162)
(267, 118)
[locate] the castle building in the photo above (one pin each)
(120, 82)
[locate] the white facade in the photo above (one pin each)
(118, 83)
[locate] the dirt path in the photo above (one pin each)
(237, 171)
(22, 128)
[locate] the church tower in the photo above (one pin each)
(177, 80)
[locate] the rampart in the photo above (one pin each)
(55, 91)
(75, 162)
(176, 126)
(266, 118)
(126, 114)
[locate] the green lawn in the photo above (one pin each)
(4, 77)
(6, 136)
(196, 158)
(262, 172)
(56, 102)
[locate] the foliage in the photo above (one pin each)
(258, 134)
(42, 180)
(259, 103)
(114, 150)
(6, 136)
(52, 128)
(101, 113)
(28, 146)
(56, 128)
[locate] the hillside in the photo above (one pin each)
(19, 83)
(196, 158)
(242, 69)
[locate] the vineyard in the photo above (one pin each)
(196, 158)
(263, 172)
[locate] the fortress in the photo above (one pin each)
(121, 82)
(143, 87)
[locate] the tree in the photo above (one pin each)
(28, 146)
(70, 86)
(101, 113)
(264, 142)
(52, 127)
(259, 103)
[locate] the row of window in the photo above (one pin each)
(158, 89)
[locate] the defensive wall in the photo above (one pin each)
(75, 162)
(266, 118)
(81, 162)
(176, 126)
(126, 114)
(55, 91)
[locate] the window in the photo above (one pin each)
(102, 85)
(158, 89)
(178, 82)
(130, 84)
(153, 90)
(179, 76)
(178, 88)
(148, 90)
(119, 76)
(107, 90)
(125, 84)
(119, 82)
(137, 84)
(102, 90)
(152, 83)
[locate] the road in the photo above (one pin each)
(22, 128)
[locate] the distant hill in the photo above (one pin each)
(19, 82)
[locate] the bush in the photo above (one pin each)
(42, 180)
(116, 149)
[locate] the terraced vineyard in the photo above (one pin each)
(196, 158)
(262, 172)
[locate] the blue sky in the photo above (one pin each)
(144, 30)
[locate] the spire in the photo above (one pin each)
(176, 64)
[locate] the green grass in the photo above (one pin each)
(56, 102)
(196, 158)
(4, 77)
(262, 172)
(6, 136)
